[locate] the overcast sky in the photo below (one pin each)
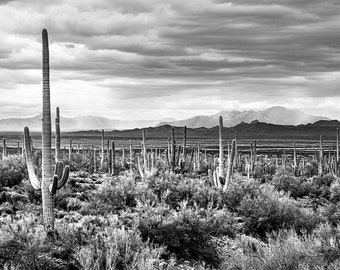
(152, 59)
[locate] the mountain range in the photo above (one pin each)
(249, 131)
(273, 115)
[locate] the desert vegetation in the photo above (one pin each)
(174, 206)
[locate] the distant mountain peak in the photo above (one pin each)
(278, 115)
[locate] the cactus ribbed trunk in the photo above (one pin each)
(102, 152)
(144, 149)
(131, 157)
(235, 144)
(255, 152)
(198, 156)
(337, 145)
(94, 160)
(108, 146)
(184, 144)
(123, 156)
(320, 169)
(109, 163)
(230, 165)
(113, 158)
(47, 175)
(4, 148)
(70, 152)
(23, 146)
(173, 149)
(220, 163)
(252, 158)
(57, 136)
(295, 162)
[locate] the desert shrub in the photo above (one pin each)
(12, 170)
(119, 195)
(7, 208)
(34, 196)
(331, 212)
(188, 233)
(335, 191)
(270, 210)
(328, 237)
(116, 195)
(23, 245)
(237, 190)
(69, 198)
(78, 162)
(320, 186)
(296, 186)
(118, 248)
(284, 250)
(173, 190)
(310, 169)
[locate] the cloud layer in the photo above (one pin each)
(153, 59)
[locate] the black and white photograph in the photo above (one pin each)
(169, 134)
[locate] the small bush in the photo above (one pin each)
(23, 245)
(284, 250)
(270, 210)
(187, 233)
(12, 170)
(120, 249)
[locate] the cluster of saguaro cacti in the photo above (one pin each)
(109, 156)
(176, 157)
(146, 167)
(50, 181)
(217, 176)
(4, 148)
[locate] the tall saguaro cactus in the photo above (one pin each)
(144, 149)
(57, 136)
(337, 145)
(320, 168)
(173, 149)
(113, 158)
(102, 152)
(230, 165)
(50, 182)
(4, 148)
(221, 161)
(294, 159)
(184, 144)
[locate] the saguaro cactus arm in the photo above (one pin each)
(62, 174)
(36, 184)
(62, 181)
(59, 181)
(230, 165)
(59, 167)
(53, 186)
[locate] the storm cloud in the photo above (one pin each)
(156, 59)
